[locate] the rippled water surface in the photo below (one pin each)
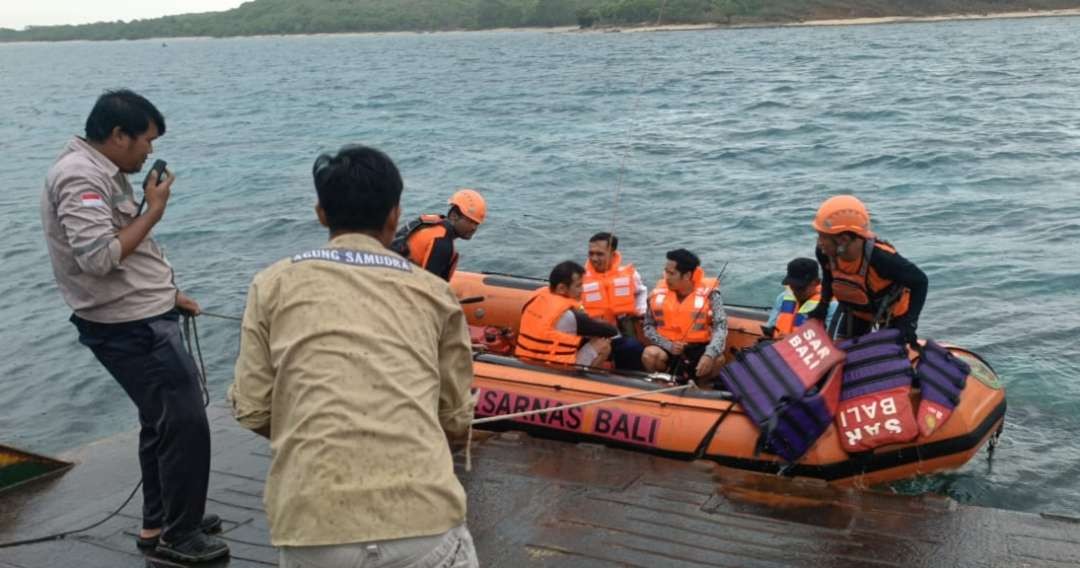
(964, 138)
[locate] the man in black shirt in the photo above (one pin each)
(428, 240)
(873, 283)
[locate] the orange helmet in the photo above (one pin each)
(841, 214)
(470, 203)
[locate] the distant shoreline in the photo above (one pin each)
(642, 28)
(883, 20)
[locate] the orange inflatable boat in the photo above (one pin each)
(692, 424)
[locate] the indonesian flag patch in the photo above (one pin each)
(92, 200)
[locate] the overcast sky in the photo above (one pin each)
(21, 13)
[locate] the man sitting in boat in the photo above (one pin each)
(428, 240)
(614, 292)
(801, 294)
(873, 283)
(556, 329)
(685, 321)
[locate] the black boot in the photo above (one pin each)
(196, 548)
(210, 524)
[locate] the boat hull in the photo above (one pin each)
(18, 467)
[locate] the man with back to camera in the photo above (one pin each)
(126, 309)
(357, 365)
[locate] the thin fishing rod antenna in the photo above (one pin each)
(629, 131)
(720, 275)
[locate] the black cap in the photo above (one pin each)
(801, 272)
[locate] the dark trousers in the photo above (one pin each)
(845, 325)
(148, 359)
(626, 353)
(684, 367)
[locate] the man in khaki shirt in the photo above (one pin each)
(126, 308)
(357, 365)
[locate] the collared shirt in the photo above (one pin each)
(87, 200)
(361, 364)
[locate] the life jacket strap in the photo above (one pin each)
(883, 316)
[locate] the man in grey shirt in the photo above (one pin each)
(127, 307)
(685, 321)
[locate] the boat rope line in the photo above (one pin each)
(621, 175)
(194, 349)
(191, 330)
(63, 535)
(526, 413)
(221, 316)
(191, 334)
(704, 445)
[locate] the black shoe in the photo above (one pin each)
(196, 548)
(211, 524)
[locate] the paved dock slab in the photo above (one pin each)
(542, 503)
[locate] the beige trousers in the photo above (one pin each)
(452, 549)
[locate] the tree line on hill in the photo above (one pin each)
(277, 17)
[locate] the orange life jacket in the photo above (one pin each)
(686, 321)
(792, 313)
(416, 240)
(857, 284)
(537, 337)
(608, 295)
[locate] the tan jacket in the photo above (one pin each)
(361, 364)
(87, 200)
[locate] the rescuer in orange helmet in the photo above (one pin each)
(874, 285)
(428, 240)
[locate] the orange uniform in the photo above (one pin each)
(608, 295)
(538, 338)
(792, 313)
(688, 320)
(423, 236)
(859, 285)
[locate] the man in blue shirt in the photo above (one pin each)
(801, 294)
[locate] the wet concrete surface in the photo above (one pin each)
(545, 503)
